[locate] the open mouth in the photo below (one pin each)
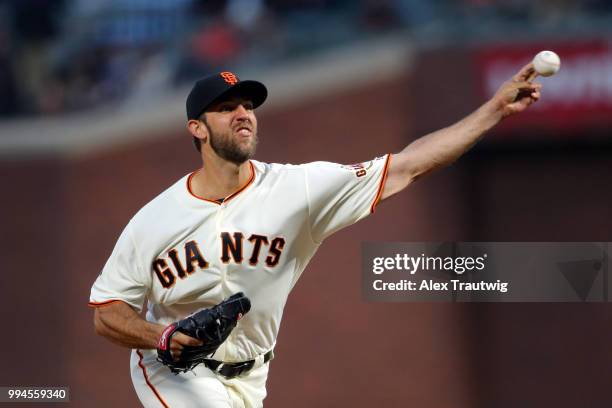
(245, 131)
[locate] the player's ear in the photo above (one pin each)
(198, 129)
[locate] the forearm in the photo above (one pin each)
(443, 147)
(120, 324)
(439, 148)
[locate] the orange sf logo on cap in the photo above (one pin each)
(229, 77)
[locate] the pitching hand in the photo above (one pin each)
(518, 93)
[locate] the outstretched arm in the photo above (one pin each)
(441, 148)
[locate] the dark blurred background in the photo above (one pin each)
(92, 127)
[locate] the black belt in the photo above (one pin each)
(231, 370)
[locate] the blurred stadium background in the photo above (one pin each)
(92, 127)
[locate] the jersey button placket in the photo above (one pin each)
(222, 266)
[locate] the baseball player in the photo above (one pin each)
(240, 225)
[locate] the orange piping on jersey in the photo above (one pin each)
(105, 303)
(248, 183)
(381, 187)
(144, 372)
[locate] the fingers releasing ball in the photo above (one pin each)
(547, 63)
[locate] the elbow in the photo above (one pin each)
(415, 173)
(99, 326)
(409, 176)
(397, 183)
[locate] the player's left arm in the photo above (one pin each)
(443, 147)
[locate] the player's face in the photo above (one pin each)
(232, 129)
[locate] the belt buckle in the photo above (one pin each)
(235, 370)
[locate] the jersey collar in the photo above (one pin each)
(229, 197)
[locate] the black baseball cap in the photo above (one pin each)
(207, 90)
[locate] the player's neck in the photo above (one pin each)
(219, 178)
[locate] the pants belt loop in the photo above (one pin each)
(259, 361)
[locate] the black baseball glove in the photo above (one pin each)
(212, 326)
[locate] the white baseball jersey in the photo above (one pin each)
(181, 253)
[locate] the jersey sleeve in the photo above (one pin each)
(123, 277)
(340, 195)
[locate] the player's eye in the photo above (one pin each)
(248, 105)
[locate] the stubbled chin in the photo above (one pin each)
(246, 145)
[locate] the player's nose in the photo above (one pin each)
(241, 111)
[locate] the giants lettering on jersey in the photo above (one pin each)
(232, 250)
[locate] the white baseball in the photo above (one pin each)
(547, 63)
